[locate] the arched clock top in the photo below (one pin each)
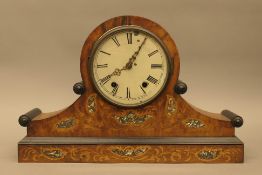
(143, 23)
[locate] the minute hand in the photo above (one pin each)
(129, 64)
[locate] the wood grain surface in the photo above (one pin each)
(132, 153)
(168, 115)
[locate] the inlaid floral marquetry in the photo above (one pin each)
(68, 123)
(129, 151)
(132, 118)
(132, 153)
(91, 103)
(48, 153)
(208, 154)
(53, 153)
(171, 105)
(194, 123)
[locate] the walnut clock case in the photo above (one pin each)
(130, 107)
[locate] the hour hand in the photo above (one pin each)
(131, 60)
(117, 72)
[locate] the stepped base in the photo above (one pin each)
(131, 150)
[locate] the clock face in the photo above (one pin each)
(129, 66)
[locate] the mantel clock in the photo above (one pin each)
(130, 107)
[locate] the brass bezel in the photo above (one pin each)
(108, 34)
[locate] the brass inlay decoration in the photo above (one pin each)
(208, 154)
(193, 123)
(66, 123)
(171, 105)
(132, 118)
(129, 151)
(53, 154)
(132, 153)
(91, 103)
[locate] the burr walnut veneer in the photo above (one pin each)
(167, 130)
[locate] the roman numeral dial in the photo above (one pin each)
(115, 87)
(128, 93)
(102, 65)
(129, 66)
(105, 52)
(143, 90)
(105, 80)
(152, 53)
(129, 37)
(116, 41)
(152, 79)
(156, 66)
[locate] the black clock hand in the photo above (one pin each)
(131, 60)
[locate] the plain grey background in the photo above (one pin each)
(220, 50)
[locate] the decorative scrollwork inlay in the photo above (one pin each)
(132, 153)
(129, 151)
(193, 123)
(91, 103)
(53, 153)
(66, 123)
(171, 105)
(208, 154)
(132, 118)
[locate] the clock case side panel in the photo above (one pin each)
(84, 118)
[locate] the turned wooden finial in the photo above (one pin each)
(180, 87)
(79, 88)
(236, 120)
(26, 118)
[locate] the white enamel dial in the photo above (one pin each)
(129, 67)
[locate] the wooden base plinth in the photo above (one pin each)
(131, 150)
